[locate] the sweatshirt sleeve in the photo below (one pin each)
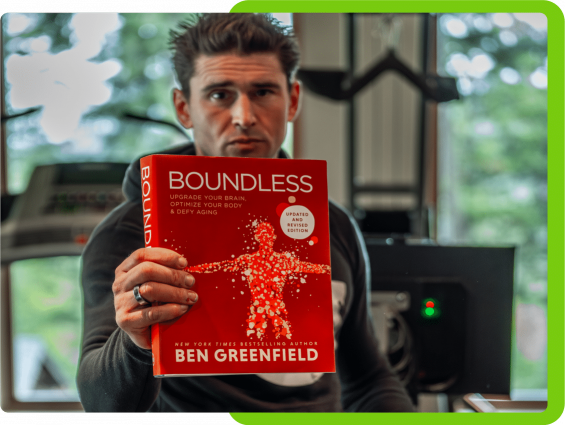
(114, 374)
(367, 380)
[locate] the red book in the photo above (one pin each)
(255, 233)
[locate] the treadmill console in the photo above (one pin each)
(59, 209)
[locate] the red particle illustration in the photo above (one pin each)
(266, 273)
(314, 239)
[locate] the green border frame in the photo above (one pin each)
(555, 176)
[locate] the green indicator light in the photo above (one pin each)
(430, 308)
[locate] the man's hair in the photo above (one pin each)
(241, 33)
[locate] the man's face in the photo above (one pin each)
(238, 106)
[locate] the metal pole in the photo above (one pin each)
(351, 134)
(421, 228)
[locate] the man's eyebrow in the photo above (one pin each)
(217, 85)
(266, 84)
(227, 83)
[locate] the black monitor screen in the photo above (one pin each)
(485, 277)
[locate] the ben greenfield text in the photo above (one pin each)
(242, 182)
(248, 354)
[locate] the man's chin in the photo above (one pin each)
(248, 150)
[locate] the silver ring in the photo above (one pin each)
(138, 297)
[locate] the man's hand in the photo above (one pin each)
(159, 272)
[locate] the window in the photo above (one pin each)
(47, 326)
(493, 160)
(86, 73)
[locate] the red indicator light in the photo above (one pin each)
(81, 239)
(429, 309)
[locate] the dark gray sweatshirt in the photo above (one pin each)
(116, 375)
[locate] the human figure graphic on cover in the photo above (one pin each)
(266, 273)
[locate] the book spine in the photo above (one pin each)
(151, 229)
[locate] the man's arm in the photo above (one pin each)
(115, 371)
(368, 382)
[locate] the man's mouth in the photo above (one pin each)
(245, 141)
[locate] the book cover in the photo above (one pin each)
(255, 233)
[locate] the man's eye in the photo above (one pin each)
(263, 92)
(219, 95)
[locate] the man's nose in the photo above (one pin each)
(243, 115)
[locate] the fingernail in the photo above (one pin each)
(182, 262)
(189, 280)
(184, 307)
(193, 296)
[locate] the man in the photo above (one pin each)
(238, 93)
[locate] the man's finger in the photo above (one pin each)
(158, 292)
(163, 256)
(149, 316)
(152, 272)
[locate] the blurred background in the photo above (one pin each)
(466, 169)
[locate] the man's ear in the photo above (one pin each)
(181, 108)
(295, 100)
